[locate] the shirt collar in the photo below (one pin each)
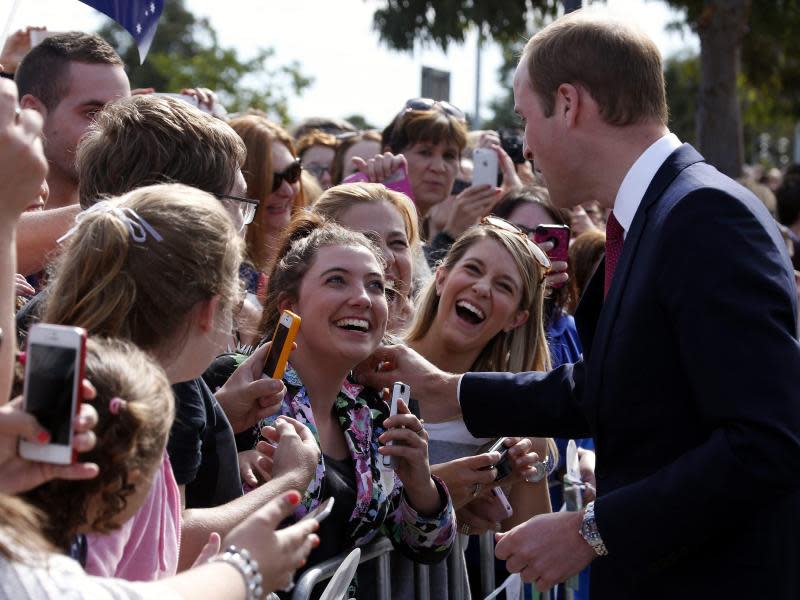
(639, 176)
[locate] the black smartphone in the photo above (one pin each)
(503, 466)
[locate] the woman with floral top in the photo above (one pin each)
(334, 279)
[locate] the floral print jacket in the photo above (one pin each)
(381, 504)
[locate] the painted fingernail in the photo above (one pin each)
(293, 498)
(22, 357)
(315, 543)
(43, 437)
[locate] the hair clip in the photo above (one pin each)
(138, 227)
(115, 404)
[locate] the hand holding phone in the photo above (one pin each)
(400, 391)
(282, 340)
(54, 370)
(558, 235)
(484, 167)
(503, 467)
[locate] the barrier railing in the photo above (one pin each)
(381, 549)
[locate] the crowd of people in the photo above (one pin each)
(176, 236)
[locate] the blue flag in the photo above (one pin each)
(138, 17)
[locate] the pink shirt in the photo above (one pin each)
(146, 547)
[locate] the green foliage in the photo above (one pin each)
(401, 22)
(186, 53)
(770, 85)
(359, 122)
(682, 76)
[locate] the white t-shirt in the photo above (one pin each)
(57, 577)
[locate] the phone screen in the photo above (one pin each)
(51, 382)
(275, 351)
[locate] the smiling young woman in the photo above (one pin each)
(334, 279)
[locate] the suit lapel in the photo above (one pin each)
(672, 167)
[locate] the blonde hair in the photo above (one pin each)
(589, 51)
(524, 348)
(337, 200)
(114, 286)
(130, 437)
(258, 134)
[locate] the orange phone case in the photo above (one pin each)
(282, 339)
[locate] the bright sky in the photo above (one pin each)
(336, 45)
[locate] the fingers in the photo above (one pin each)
(74, 472)
(86, 419)
(360, 164)
(88, 391)
(277, 509)
(15, 422)
(210, 548)
(257, 359)
(480, 461)
(268, 432)
(303, 431)
(269, 392)
(22, 287)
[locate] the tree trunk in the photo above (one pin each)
(719, 121)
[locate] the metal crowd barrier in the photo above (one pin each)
(380, 551)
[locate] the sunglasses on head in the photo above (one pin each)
(290, 174)
(430, 104)
(503, 225)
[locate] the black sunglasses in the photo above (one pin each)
(430, 104)
(290, 174)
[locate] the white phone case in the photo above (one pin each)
(399, 391)
(484, 167)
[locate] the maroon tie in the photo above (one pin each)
(615, 236)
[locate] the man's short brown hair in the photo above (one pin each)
(145, 140)
(44, 72)
(616, 63)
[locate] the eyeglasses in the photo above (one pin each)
(247, 206)
(290, 174)
(430, 104)
(317, 170)
(503, 225)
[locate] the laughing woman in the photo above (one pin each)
(334, 279)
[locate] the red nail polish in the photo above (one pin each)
(43, 437)
(294, 498)
(22, 357)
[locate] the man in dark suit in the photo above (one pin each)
(690, 383)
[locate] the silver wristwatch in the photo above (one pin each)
(590, 533)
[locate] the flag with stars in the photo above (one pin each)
(138, 17)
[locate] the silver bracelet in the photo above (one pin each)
(247, 566)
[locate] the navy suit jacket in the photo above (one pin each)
(690, 387)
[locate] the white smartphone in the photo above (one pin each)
(400, 391)
(37, 37)
(53, 373)
(322, 512)
(501, 496)
(484, 167)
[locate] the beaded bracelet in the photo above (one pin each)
(247, 566)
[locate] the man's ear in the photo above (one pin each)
(207, 313)
(568, 103)
(519, 319)
(31, 101)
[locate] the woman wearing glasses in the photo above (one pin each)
(272, 171)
